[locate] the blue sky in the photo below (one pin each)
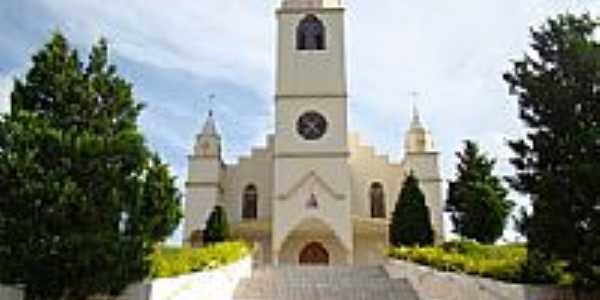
(178, 52)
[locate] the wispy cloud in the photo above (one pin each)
(222, 39)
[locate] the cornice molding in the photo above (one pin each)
(288, 97)
(427, 153)
(344, 154)
(309, 10)
(202, 184)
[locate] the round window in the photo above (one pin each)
(311, 125)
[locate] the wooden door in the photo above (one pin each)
(314, 254)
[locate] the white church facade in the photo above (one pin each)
(314, 194)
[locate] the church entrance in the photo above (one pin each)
(314, 254)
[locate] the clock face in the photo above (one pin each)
(311, 125)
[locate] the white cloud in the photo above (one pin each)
(219, 39)
(6, 86)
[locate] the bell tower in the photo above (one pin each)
(310, 53)
(311, 89)
(311, 174)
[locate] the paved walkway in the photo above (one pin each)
(323, 283)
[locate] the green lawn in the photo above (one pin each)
(169, 261)
(506, 263)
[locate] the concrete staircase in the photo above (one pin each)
(323, 283)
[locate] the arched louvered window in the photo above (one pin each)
(377, 196)
(310, 34)
(250, 201)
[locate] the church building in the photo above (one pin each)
(315, 194)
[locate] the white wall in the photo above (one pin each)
(368, 167)
(433, 285)
(134, 292)
(255, 169)
(200, 201)
(218, 284)
(7, 293)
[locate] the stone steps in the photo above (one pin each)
(323, 283)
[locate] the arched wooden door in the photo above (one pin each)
(314, 254)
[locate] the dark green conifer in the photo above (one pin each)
(411, 220)
(83, 201)
(477, 200)
(557, 163)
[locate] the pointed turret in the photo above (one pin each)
(418, 138)
(210, 128)
(204, 182)
(208, 142)
(416, 119)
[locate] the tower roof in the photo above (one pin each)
(210, 127)
(312, 3)
(416, 119)
(418, 138)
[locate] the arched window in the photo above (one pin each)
(249, 202)
(377, 196)
(310, 34)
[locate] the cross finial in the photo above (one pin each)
(211, 97)
(415, 97)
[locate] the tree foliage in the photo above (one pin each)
(476, 199)
(411, 219)
(83, 201)
(217, 227)
(557, 162)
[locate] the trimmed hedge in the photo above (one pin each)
(170, 261)
(505, 263)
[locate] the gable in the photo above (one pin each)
(312, 175)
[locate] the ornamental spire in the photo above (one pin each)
(416, 118)
(210, 127)
(418, 138)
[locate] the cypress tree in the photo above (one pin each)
(476, 199)
(557, 162)
(83, 201)
(411, 219)
(217, 227)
